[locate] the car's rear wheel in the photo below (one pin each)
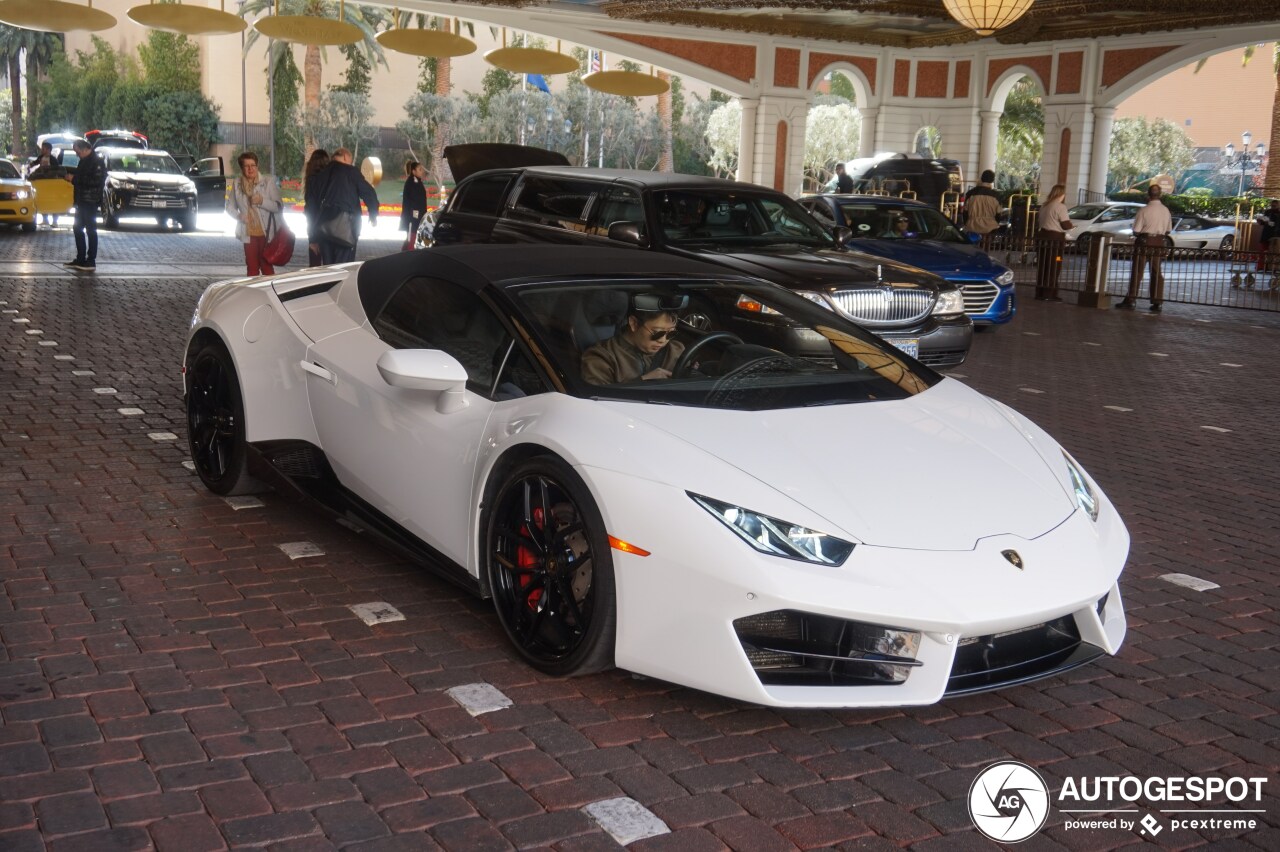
(110, 216)
(1228, 244)
(550, 570)
(215, 422)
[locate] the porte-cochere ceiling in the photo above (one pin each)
(925, 23)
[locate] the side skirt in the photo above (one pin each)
(302, 469)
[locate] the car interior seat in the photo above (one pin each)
(597, 317)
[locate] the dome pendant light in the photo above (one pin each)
(187, 19)
(309, 29)
(54, 16)
(984, 17)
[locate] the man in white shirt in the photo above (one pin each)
(1150, 227)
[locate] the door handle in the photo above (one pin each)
(321, 372)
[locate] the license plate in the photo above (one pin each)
(909, 345)
(159, 202)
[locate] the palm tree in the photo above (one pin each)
(366, 18)
(40, 52)
(1271, 182)
(444, 83)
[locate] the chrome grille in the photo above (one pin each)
(143, 199)
(884, 305)
(978, 295)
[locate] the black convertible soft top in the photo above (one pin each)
(478, 265)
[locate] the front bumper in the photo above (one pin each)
(15, 210)
(986, 302)
(126, 202)
(943, 342)
(978, 621)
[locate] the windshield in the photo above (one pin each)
(1086, 211)
(7, 170)
(161, 164)
(882, 221)
(736, 219)
(736, 345)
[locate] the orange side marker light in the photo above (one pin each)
(626, 547)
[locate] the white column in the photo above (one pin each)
(867, 137)
(987, 139)
(747, 139)
(1103, 119)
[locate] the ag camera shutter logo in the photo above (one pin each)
(1009, 802)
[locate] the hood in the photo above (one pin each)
(15, 183)
(466, 160)
(937, 471)
(813, 269)
(150, 177)
(946, 259)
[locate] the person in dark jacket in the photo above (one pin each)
(342, 189)
(413, 203)
(89, 180)
(316, 163)
(844, 182)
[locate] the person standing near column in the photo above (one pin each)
(982, 209)
(844, 183)
(1269, 221)
(1150, 227)
(88, 182)
(1051, 239)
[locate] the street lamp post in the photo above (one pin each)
(1244, 159)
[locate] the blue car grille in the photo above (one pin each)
(884, 305)
(979, 296)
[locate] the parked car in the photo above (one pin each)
(1190, 232)
(147, 183)
(752, 526)
(1103, 217)
(17, 198)
(745, 228)
(929, 179)
(931, 242)
(116, 139)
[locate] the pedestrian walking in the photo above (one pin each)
(1051, 238)
(342, 189)
(254, 202)
(413, 202)
(1150, 228)
(316, 163)
(844, 183)
(982, 209)
(88, 182)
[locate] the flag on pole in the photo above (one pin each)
(539, 82)
(597, 61)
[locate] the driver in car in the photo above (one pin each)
(644, 347)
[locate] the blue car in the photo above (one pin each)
(918, 235)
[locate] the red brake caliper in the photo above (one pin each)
(525, 558)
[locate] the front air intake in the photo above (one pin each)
(791, 648)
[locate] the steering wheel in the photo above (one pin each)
(685, 364)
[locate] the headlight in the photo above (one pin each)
(776, 537)
(819, 299)
(21, 194)
(1085, 496)
(190, 186)
(1005, 277)
(120, 183)
(949, 302)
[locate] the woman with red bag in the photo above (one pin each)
(254, 202)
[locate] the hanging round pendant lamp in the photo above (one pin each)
(530, 60)
(435, 43)
(630, 84)
(187, 19)
(54, 16)
(309, 29)
(984, 17)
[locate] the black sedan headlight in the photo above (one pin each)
(777, 537)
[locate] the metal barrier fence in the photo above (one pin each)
(1230, 279)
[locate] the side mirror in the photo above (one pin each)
(427, 370)
(631, 233)
(841, 234)
(194, 171)
(973, 238)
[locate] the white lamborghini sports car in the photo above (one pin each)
(797, 514)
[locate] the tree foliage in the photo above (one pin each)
(1141, 149)
(724, 135)
(831, 136)
(1020, 140)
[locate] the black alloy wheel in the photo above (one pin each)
(550, 570)
(215, 422)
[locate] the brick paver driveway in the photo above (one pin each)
(169, 678)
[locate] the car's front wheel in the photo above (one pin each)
(110, 216)
(215, 422)
(550, 570)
